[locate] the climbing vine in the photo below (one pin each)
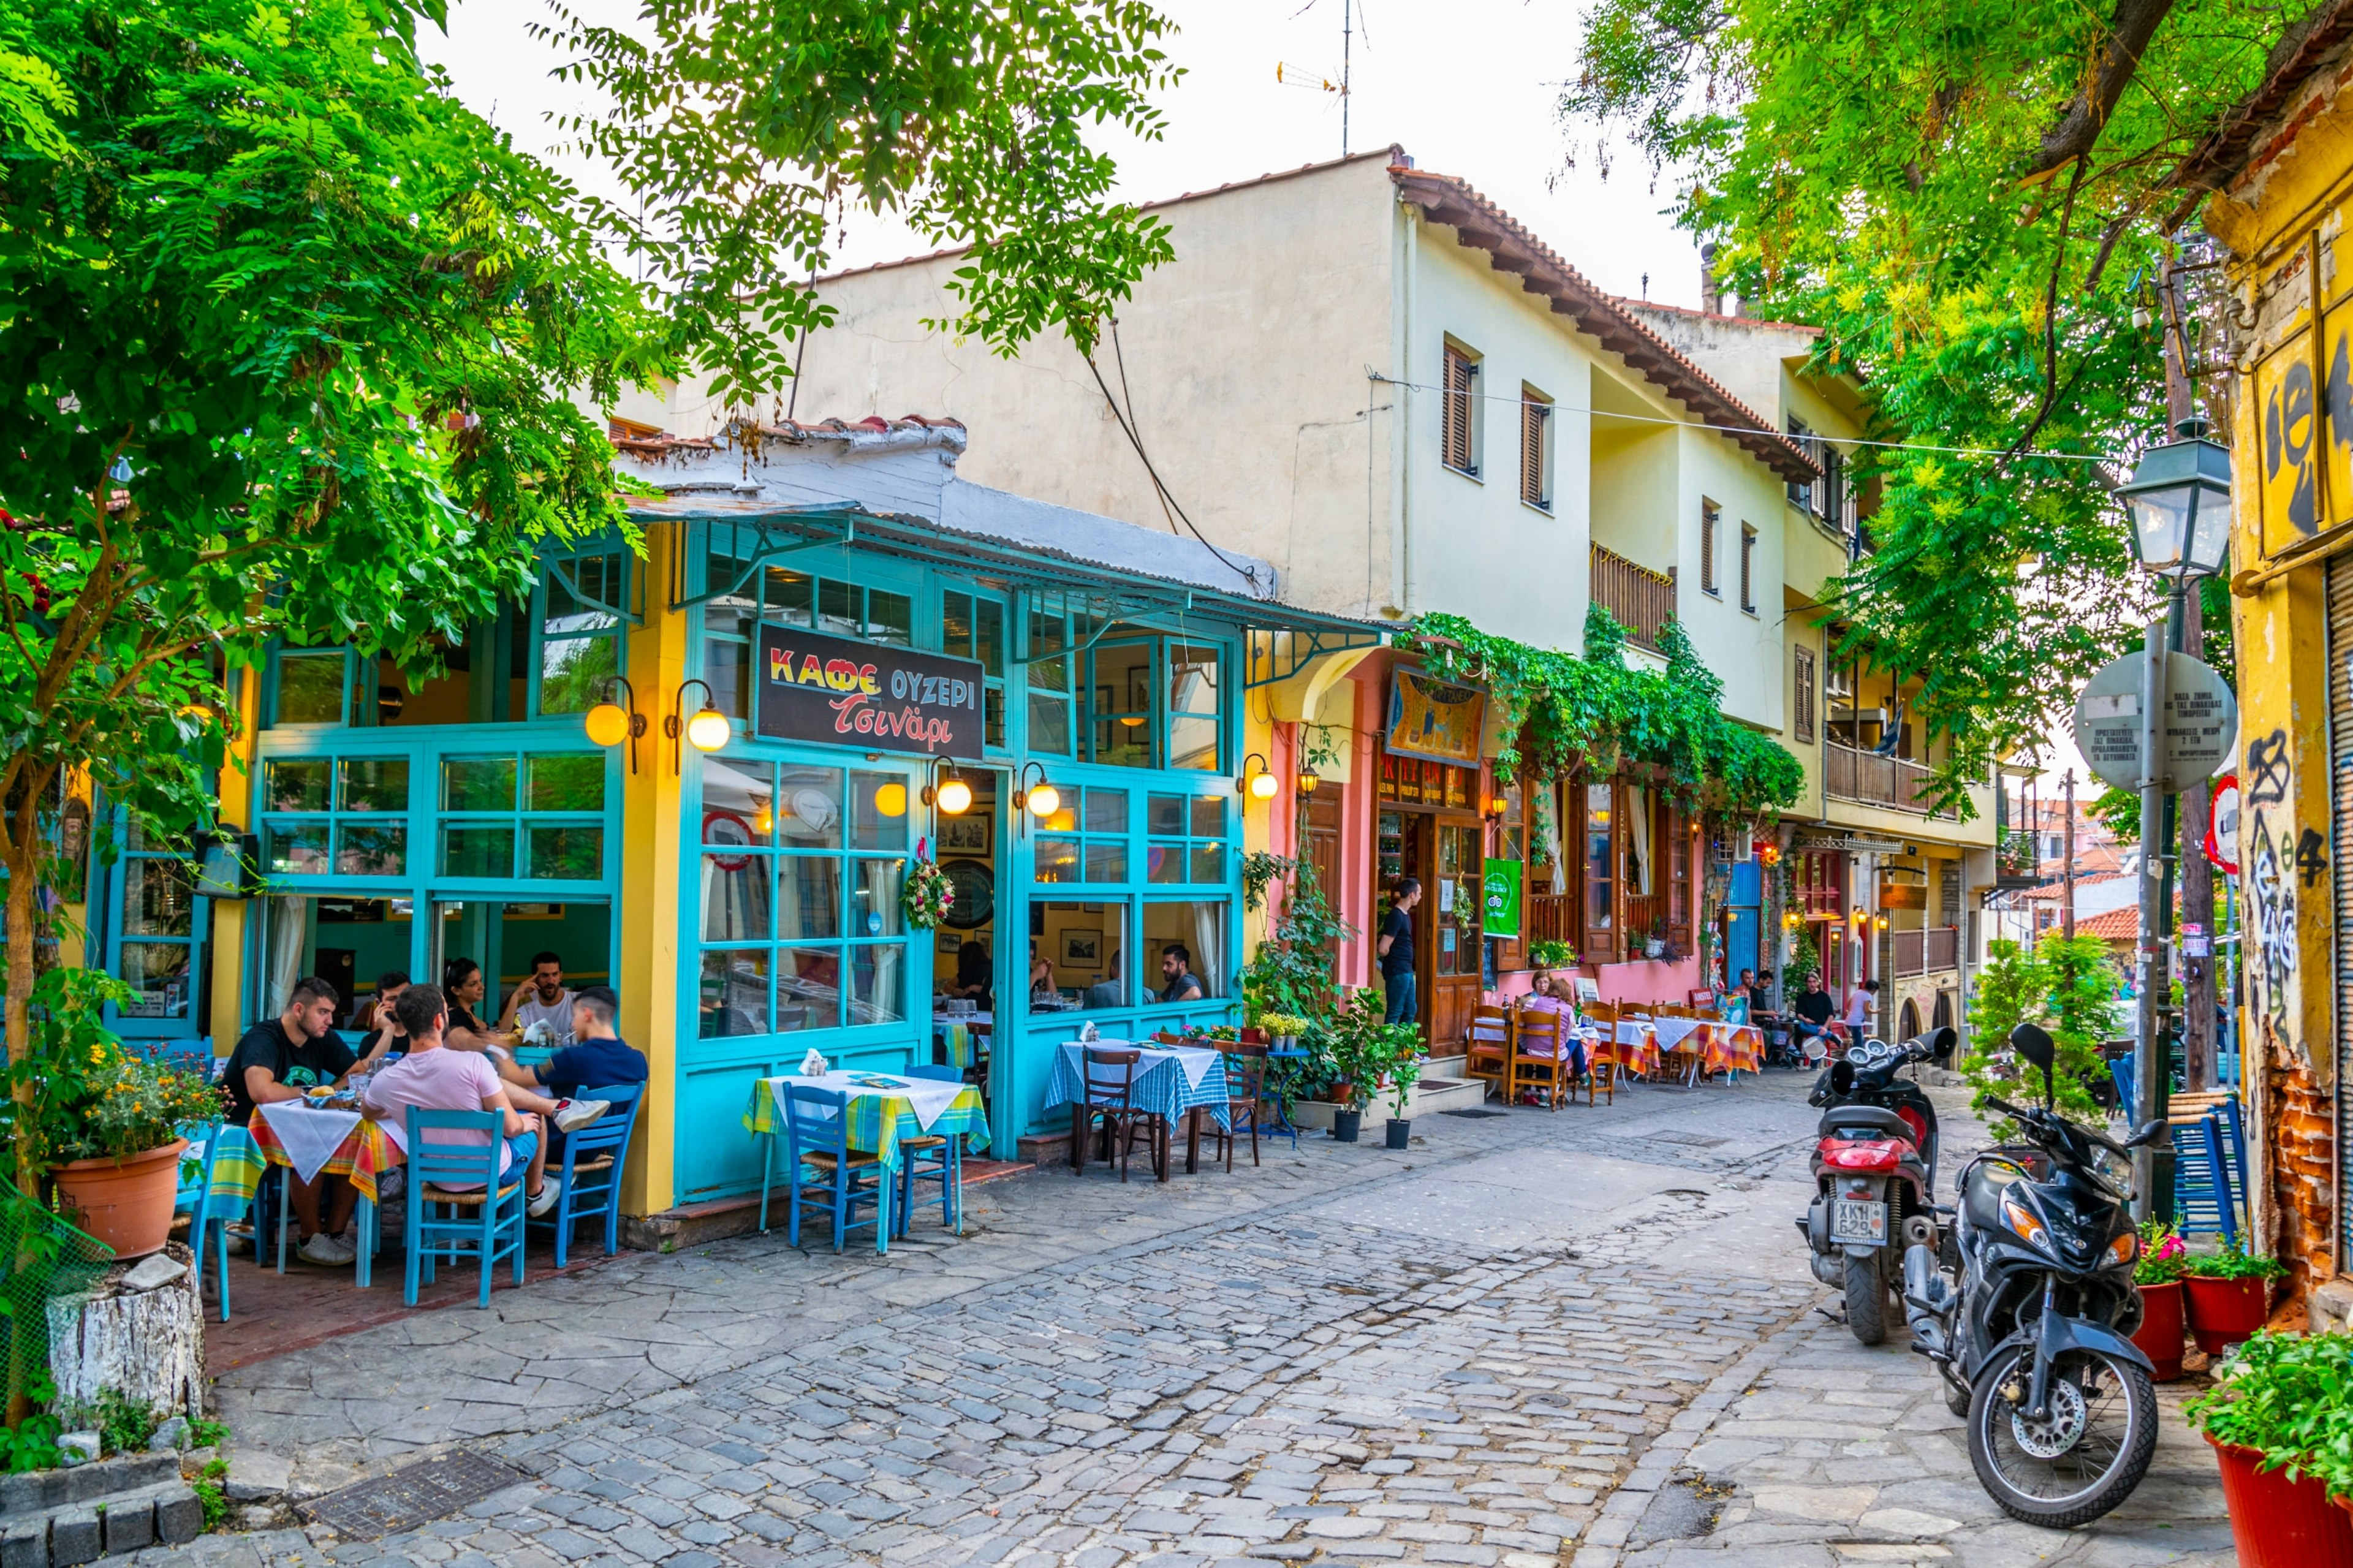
(1560, 712)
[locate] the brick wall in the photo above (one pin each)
(2302, 1175)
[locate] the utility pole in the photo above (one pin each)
(1348, 42)
(2152, 1168)
(2067, 910)
(2197, 875)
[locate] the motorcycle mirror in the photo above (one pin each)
(1841, 1076)
(2152, 1133)
(2038, 1049)
(1943, 1042)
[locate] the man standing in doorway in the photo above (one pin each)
(1396, 947)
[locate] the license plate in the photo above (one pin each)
(1860, 1221)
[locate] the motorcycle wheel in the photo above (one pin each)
(2084, 1460)
(1866, 1301)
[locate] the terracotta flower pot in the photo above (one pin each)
(2277, 1522)
(2160, 1334)
(2223, 1313)
(126, 1204)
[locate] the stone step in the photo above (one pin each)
(169, 1514)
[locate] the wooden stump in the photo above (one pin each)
(146, 1345)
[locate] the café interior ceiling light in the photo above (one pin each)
(891, 799)
(609, 723)
(1042, 800)
(1256, 783)
(706, 732)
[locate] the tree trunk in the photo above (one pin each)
(21, 908)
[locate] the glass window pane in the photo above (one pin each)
(478, 784)
(1064, 819)
(1057, 860)
(874, 898)
(837, 608)
(573, 672)
(955, 624)
(786, 597)
(1597, 900)
(1193, 744)
(158, 971)
(809, 896)
(298, 785)
(1122, 742)
(733, 997)
(1195, 684)
(1106, 811)
(564, 782)
(988, 635)
(1209, 816)
(297, 849)
(878, 816)
(809, 988)
(878, 983)
(1049, 635)
(310, 688)
(571, 851)
(158, 898)
(1049, 723)
(1165, 813)
(478, 851)
(738, 801)
(1199, 928)
(1164, 863)
(1085, 949)
(1106, 860)
(1208, 863)
(727, 666)
(567, 614)
(992, 720)
(808, 808)
(891, 619)
(735, 897)
(372, 849)
(372, 784)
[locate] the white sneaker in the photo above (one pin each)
(325, 1251)
(551, 1188)
(574, 1114)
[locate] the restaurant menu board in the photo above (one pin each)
(1434, 720)
(842, 692)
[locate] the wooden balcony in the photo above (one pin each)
(1643, 601)
(1848, 774)
(1924, 951)
(1552, 917)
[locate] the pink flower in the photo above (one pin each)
(2172, 1247)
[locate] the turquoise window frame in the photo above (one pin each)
(115, 936)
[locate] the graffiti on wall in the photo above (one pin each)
(2277, 857)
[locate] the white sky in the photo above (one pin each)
(1467, 88)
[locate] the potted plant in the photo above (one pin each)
(1404, 1072)
(115, 1147)
(1656, 946)
(2282, 1404)
(1363, 1049)
(1284, 1029)
(2230, 1296)
(2157, 1273)
(1544, 957)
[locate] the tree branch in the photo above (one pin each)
(2130, 27)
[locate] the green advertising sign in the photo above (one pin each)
(1503, 898)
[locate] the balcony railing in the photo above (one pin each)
(1643, 601)
(1924, 951)
(1850, 774)
(1552, 917)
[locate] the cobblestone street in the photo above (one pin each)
(1507, 1346)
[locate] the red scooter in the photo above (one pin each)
(1874, 1174)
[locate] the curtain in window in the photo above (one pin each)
(1209, 946)
(289, 926)
(1638, 822)
(1555, 846)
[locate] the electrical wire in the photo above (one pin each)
(1247, 574)
(1747, 429)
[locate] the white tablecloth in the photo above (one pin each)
(930, 1097)
(310, 1137)
(1670, 1031)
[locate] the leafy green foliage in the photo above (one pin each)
(1291, 972)
(212, 1493)
(1363, 1049)
(1972, 201)
(2164, 1256)
(2067, 986)
(2289, 1397)
(1560, 712)
(2232, 1262)
(743, 133)
(2118, 811)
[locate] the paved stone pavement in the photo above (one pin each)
(1502, 1348)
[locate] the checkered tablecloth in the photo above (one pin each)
(1635, 1047)
(1730, 1047)
(236, 1171)
(880, 1119)
(1166, 1084)
(364, 1154)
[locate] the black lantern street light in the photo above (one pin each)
(2179, 498)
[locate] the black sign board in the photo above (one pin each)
(833, 689)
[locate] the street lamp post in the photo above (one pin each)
(2180, 498)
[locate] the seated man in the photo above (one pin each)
(276, 1060)
(434, 1077)
(378, 1017)
(1177, 969)
(542, 999)
(1811, 1011)
(597, 1058)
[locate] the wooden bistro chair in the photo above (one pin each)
(1487, 1048)
(1245, 1092)
(1601, 1063)
(594, 1159)
(1109, 1079)
(822, 1172)
(1539, 1058)
(484, 1220)
(933, 1157)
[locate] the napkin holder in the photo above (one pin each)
(814, 1064)
(1088, 1034)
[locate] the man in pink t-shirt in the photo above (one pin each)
(432, 1076)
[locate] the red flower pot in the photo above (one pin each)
(2160, 1334)
(2278, 1522)
(126, 1204)
(2223, 1313)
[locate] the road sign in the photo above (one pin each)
(2223, 826)
(2200, 723)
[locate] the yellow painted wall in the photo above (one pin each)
(653, 874)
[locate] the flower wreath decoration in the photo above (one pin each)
(928, 895)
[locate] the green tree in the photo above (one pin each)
(2065, 985)
(1973, 201)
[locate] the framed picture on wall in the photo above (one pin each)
(1082, 949)
(969, 834)
(951, 942)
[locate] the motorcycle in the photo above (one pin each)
(2032, 1339)
(1874, 1172)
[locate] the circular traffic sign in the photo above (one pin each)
(2223, 826)
(2195, 735)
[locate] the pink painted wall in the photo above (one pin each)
(1647, 981)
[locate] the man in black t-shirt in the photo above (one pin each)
(1813, 1009)
(1396, 947)
(278, 1059)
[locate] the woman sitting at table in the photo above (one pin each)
(1042, 978)
(434, 1077)
(1557, 997)
(463, 987)
(971, 975)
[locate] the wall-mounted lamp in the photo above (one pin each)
(1495, 807)
(706, 732)
(1042, 800)
(1255, 785)
(1880, 924)
(950, 795)
(609, 724)
(1305, 782)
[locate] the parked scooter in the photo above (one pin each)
(2033, 1342)
(1875, 1173)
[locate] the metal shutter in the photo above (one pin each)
(2340, 775)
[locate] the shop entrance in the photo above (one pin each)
(971, 961)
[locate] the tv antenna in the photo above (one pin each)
(1315, 81)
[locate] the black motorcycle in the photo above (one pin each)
(2033, 1343)
(1875, 1170)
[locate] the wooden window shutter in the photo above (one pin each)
(1534, 413)
(1803, 718)
(1748, 568)
(1708, 518)
(1460, 370)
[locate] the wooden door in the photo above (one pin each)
(1319, 844)
(1454, 901)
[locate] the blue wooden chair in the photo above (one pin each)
(816, 1145)
(483, 1222)
(2203, 1202)
(209, 1216)
(932, 1158)
(2121, 1069)
(594, 1159)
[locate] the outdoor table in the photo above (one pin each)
(881, 1119)
(955, 1034)
(1716, 1046)
(311, 1140)
(1634, 1047)
(1282, 1127)
(1171, 1083)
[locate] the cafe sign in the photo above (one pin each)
(839, 691)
